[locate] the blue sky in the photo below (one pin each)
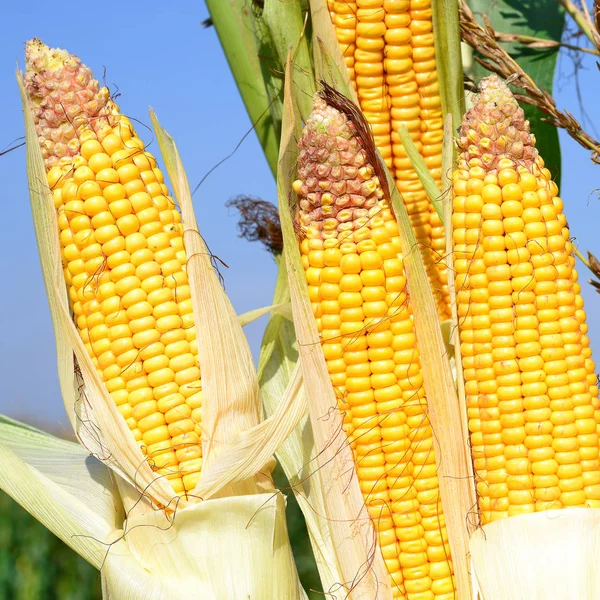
(161, 57)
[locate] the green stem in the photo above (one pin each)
(581, 21)
(446, 31)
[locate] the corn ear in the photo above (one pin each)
(93, 415)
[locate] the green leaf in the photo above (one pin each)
(446, 33)
(285, 21)
(255, 67)
(425, 176)
(542, 19)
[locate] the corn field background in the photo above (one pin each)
(165, 58)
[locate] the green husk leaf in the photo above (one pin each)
(359, 572)
(451, 448)
(418, 163)
(62, 486)
(524, 18)
(254, 63)
(448, 59)
(241, 460)
(286, 23)
(327, 56)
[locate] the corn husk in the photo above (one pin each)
(345, 521)
(286, 23)
(62, 486)
(457, 490)
(297, 454)
(539, 556)
(253, 61)
(418, 163)
(209, 551)
(244, 529)
(283, 308)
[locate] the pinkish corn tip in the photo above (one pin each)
(495, 128)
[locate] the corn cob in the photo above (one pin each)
(124, 260)
(531, 388)
(389, 53)
(351, 252)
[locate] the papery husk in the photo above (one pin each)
(94, 416)
(238, 444)
(450, 438)
(358, 563)
(296, 455)
(234, 547)
(71, 493)
(250, 316)
(548, 555)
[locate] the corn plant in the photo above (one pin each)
(425, 380)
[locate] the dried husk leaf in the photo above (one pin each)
(239, 447)
(327, 57)
(450, 440)
(283, 308)
(539, 556)
(454, 337)
(296, 455)
(92, 412)
(235, 547)
(229, 383)
(358, 562)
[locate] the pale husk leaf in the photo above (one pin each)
(93, 414)
(235, 547)
(229, 383)
(453, 333)
(296, 455)
(250, 316)
(449, 437)
(538, 556)
(248, 452)
(231, 412)
(358, 562)
(68, 491)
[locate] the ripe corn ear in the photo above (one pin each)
(388, 49)
(352, 257)
(124, 260)
(531, 388)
